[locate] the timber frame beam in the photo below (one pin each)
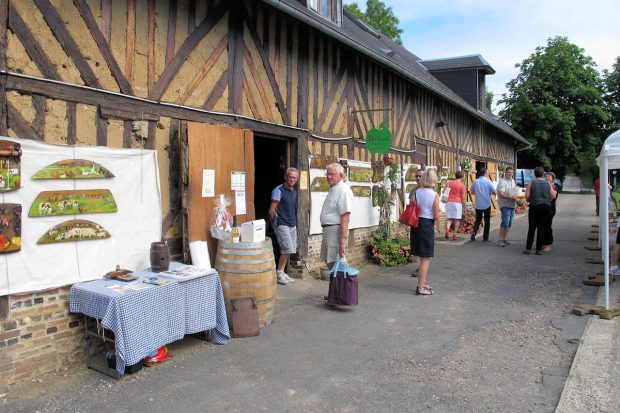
(128, 107)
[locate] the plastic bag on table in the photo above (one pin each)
(221, 219)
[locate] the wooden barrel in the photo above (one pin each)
(248, 269)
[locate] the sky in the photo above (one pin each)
(506, 32)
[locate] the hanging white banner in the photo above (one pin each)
(133, 227)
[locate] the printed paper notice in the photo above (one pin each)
(208, 183)
(237, 181)
(303, 181)
(240, 203)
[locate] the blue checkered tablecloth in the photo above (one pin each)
(144, 320)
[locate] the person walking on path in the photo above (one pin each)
(482, 188)
(423, 236)
(548, 241)
(597, 194)
(507, 204)
(335, 216)
(283, 218)
(539, 194)
(456, 204)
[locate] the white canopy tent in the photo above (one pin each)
(608, 159)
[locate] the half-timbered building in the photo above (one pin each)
(225, 85)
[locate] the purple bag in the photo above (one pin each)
(342, 285)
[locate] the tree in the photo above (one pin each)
(612, 96)
(379, 16)
(489, 99)
(556, 102)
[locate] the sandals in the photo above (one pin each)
(425, 290)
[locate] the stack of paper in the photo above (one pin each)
(187, 272)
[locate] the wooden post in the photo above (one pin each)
(303, 199)
(235, 57)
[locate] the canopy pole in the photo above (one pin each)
(604, 219)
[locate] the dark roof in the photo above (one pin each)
(474, 61)
(380, 48)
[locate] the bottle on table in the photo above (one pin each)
(234, 233)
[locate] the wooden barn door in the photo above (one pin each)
(223, 150)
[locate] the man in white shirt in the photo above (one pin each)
(335, 216)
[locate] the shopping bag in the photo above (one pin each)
(446, 193)
(411, 214)
(343, 286)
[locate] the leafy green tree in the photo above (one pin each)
(489, 99)
(612, 96)
(556, 102)
(379, 16)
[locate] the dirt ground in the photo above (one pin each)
(496, 336)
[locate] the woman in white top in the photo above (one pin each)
(423, 237)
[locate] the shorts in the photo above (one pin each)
(330, 248)
(508, 215)
(287, 238)
(454, 210)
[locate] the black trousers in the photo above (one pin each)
(549, 232)
(487, 222)
(538, 220)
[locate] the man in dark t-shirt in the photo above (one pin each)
(283, 218)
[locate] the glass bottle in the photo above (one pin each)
(234, 233)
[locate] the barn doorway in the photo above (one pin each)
(271, 159)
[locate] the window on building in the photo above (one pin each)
(328, 9)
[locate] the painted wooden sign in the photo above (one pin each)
(10, 227)
(321, 161)
(360, 174)
(361, 191)
(410, 174)
(74, 169)
(320, 184)
(74, 230)
(70, 202)
(10, 166)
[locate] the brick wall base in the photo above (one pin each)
(39, 336)
(359, 240)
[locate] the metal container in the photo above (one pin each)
(160, 257)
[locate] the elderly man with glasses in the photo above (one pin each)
(335, 216)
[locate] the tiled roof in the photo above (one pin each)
(380, 48)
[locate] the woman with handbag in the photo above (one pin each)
(423, 236)
(455, 204)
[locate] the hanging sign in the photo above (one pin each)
(303, 181)
(379, 140)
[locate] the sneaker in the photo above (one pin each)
(281, 278)
(506, 242)
(614, 270)
(501, 243)
(288, 278)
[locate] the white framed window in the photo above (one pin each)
(328, 9)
